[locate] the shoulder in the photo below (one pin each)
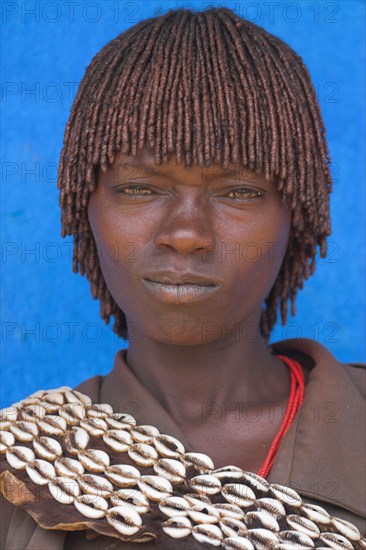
(91, 387)
(313, 355)
(357, 374)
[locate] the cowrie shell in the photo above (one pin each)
(272, 506)
(122, 475)
(99, 410)
(207, 533)
(346, 529)
(203, 513)
(294, 539)
(168, 446)
(60, 389)
(228, 473)
(24, 431)
(47, 448)
(95, 485)
(143, 454)
(94, 460)
(256, 482)
(174, 506)
(144, 433)
(7, 439)
(18, 457)
(293, 546)
(38, 394)
(34, 397)
(131, 497)
(118, 440)
(52, 425)
(155, 487)
(177, 527)
(40, 471)
(9, 414)
(74, 396)
(31, 400)
(91, 506)
(5, 425)
(54, 398)
(262, 538)
(232, 527)
(64, 489)
(206, 484)
(286, 495)
(171, 469)
(72, 413)
(335, 541)
(304, 525)
(200, 461)
(50, 408)
(120, 421)
(68, 467)
(237, 543)
(76, 440)
(316, 513)
(227, 510)
(124, 519)
(95, 427)
(261, 520)
(196, 499)
(239, 494)
(32, 413)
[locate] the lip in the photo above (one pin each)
(180, 293)
(172, 278)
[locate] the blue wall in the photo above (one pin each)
(51, 330)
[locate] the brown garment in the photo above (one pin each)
(322, 456)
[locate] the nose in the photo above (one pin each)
(187, 229)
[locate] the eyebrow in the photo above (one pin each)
(223, 173)
(239, 173)
(218, 173)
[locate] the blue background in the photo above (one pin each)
(51, 330)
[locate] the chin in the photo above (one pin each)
(178, 332)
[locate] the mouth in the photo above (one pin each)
(187, 283)
(180, 279)
(180, 292)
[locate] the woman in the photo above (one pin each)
(195, 181)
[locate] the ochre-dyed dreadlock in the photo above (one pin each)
(211, 88)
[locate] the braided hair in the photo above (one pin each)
(211, 88)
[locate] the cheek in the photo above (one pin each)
(115, 237)
(262, 237)
(260, 252)
(274, 240)
(274, 236)
(107, 235)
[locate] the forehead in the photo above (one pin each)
(144, 164)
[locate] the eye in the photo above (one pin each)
(245, 193)
(130, 190)
(139, 190)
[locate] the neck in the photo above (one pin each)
(189, 380)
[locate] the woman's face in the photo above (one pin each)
(228, 227)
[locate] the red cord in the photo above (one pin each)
(296, 397)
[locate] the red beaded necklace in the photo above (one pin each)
(296, 397)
